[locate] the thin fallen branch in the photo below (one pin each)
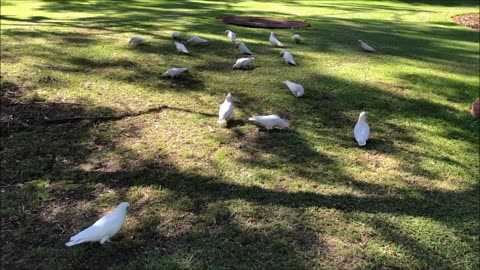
(40, 103)
(103, 118)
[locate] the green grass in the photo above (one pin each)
(240, 197)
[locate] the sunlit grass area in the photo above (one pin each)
(239, 197)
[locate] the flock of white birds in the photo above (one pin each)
(106, 227)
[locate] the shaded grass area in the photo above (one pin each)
(239, 197)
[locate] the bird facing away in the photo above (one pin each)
(173, 72)
(288, 57)
(103, 228)
(361, 130)
(226, 110)
(231, 35)
(181, 48)
(242, 48)
(270, 121)
(136, 40)
(365, 46)
(243, 62)
(274, 41)
(297, 89)
(297, 38)
(175, 35)
(197, 40)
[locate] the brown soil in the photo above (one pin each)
(262, 22)
(470, 20)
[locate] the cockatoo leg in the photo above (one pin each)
(105, 239)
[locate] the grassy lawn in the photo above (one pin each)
(239, 197)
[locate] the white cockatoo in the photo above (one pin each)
(297, 38)
(270, 121)
(297, 89)
(274, 41)
(243, 62)
(181, 48)
(231, 35)
(197, 40)
(361, 130)
(136, 40)
(226, 110)
(175, 35)
(243, 48)
(365, 46)
(173, 72)
(288, 57)
(104, 228)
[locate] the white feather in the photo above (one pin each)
(243, 62)
(365, 46)
(136, 40)
(274, 41)
(181, 48)
(296, 38)
(361, 130)
(197, 40)
(226, 110)
(103, 229)
(243, 48)
(270, 121)
(231, 35)
(297, 89)
(288, 57)
(173, 72)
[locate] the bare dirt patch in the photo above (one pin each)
(262, 22)
(471, 20)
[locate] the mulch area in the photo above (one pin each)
(470, 20)
(262, 22)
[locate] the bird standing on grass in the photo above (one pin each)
(242, 48)
(175, 35)
(243, 62)
(197, 40)
(181, 48)
(104, 228)
(365, 46)
(361, 130)
(297, 38)
(274, 41)
(173, 72)
(297, 89)
(270, 121)
(288, 57)
(136, 40)
(226, 110)
(231, 35)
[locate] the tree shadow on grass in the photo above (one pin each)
(58, 152)
(215, 235)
